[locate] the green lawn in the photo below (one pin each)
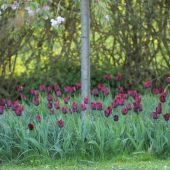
(127, 163)
(142, 165)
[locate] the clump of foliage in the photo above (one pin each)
(127, 35)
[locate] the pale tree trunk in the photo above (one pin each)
(85, 48)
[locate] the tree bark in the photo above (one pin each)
(85, 48)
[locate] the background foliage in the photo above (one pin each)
(126, 35)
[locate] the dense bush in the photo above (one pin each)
(131, 35)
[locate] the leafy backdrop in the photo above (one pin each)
(129, 36)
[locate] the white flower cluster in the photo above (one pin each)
(56, 22)
(30, 11)
(13, 6)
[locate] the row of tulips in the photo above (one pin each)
(128, 120)
(54, 102)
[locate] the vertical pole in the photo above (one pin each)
(85, 48)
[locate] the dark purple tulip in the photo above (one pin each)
(34, 92)
(155, 91)
(99, 105)
(93, 105)
(74, 107)
(49, 97)
(123, 95)
(60, 123)
(38, 118)
(108, 111)
(107, 76)
(128, 106)
(95, 92)
(115, 118)
(2, 102)
(42, 88)
(100, 86)
(124, 111)
(57, 105)
(50, 105)
(14, 105)
(121, 101)
(36, 100)
(30, 126)
(58, 93)
(64, 109)
(56, 87)
(147, 84)
(69, 89)
(167, 80)
(2, 108)
(162, 97)
(52, 112)
(105, 91)
(19, 110)
(166, 116)
(66, 100)
(115, 103)
(50, 89)
(132, 93)
(159, 108)
(137, 107)
(83, 106)
(118, 77)
(117, 98)
(154, 115)
(86, 100)
(20, 88)
(138, 98)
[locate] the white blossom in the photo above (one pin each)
(4, 6)
(107, 18)
(15, 5)
(54, 23)
(60, 19)
(30, 11)
(57, 21)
